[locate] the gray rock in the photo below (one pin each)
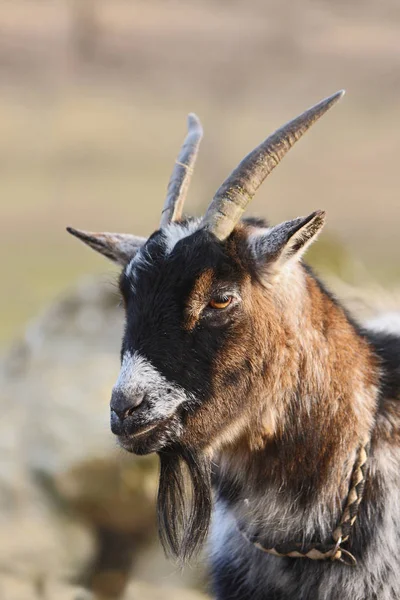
(144, 591)
(73, 506)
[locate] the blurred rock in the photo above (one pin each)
(145, 591)
(57, 591)
(13, 588)
(73, 506)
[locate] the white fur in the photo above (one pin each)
(139, 261)
(175, 232)
(172, 234)
(138, 377)
(388, 322)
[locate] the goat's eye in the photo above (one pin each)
(220, 302)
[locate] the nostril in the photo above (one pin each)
(129, 411)
(124, 404)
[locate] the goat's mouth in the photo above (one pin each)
(147, 439)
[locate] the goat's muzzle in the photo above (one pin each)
(138, 430)
(126, 412)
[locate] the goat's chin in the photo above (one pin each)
(152, 438)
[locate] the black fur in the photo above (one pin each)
(184, 501)
(154, 311)
(387, 347)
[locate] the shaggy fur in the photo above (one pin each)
(184, 501)
(270, 398)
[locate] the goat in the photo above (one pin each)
(250, 379)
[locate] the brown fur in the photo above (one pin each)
(197, 298)
(301, 386)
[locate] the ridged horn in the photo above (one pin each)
(232, 198)
(179, 182)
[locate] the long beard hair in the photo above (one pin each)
(184, 502)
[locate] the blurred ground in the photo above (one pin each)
(93, 100)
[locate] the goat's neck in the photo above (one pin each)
(311, 409)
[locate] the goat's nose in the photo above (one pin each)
(124, 405)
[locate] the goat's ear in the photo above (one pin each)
(118, 247)
(289, 240)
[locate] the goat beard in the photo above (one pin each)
(184, 502)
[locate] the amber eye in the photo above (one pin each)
(220, 303)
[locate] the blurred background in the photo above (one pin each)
(93, 102)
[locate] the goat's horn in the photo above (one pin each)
(179, 183)
(235, 193)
